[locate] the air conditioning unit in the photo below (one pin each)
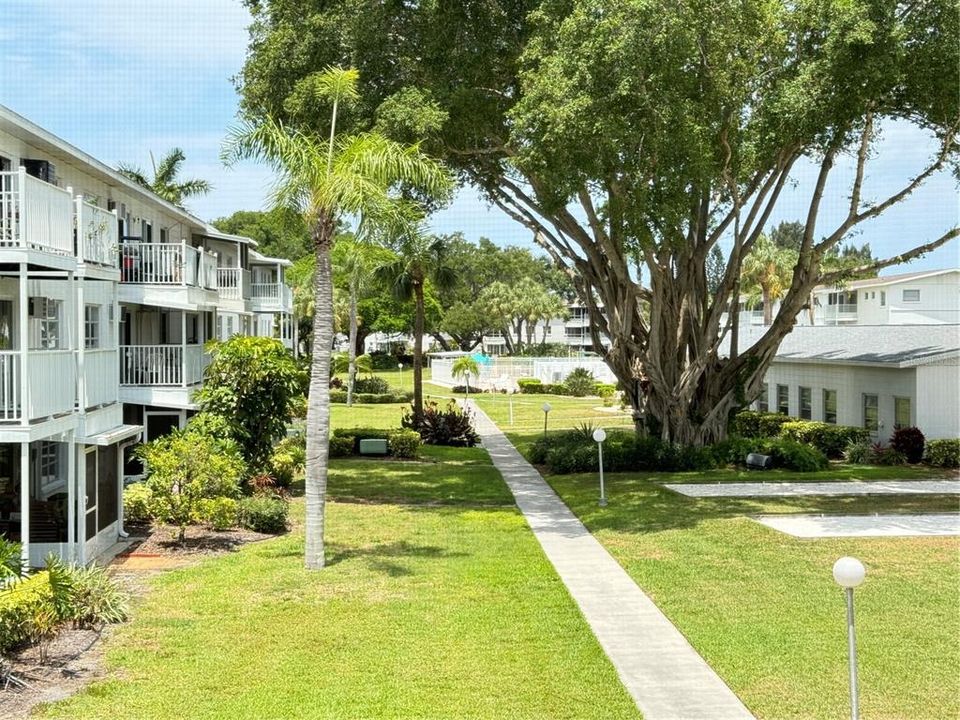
(40, 169)
(37, 307)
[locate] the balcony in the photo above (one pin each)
(35, 215)
(167, 264)
(233, 283)
(836, 314)
(50, 387)
(162, 365)
(273, 295)
(97, 234)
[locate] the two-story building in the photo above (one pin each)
(107, 296)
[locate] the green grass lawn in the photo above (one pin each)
(565, 412)
(437, 603)
(762, 607)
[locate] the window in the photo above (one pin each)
(163, 235)
(830, 406)
(45, 324)
(866, 296)
(871, 413)
(91, 326)
(763, 402)
(911, 296)
(883, 298)
(806, 403)
(901, 412)
(783, 399)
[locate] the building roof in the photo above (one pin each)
(211, 232)
(59, 149)
(887, 279)
(258, 258)
(870, 345)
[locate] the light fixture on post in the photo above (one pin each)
(599, 435)
(546, 411)
(849, 573)
(400, 368)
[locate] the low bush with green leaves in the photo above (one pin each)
(341, 446)
(95, 598)
(580, 382)
(887, 455)
(263, 513)
(404, 443)
(288, 459)
(219, 513)
(372, 385)
(388, 398)
(10, 559)
(909, 441)
(136, 503)
(792, 455)
(754, 424)
(829, 439)
(574, 451)
(859, 453)
(943, 453)
(530, 386)
(20, 602)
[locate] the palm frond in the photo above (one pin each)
(134, 173)
(166, 172)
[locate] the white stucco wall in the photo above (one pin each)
(938, 400)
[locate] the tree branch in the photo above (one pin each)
(861, 270)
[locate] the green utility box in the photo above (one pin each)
(373, 447)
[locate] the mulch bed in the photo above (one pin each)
(75, 657)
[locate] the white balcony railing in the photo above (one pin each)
(233, 283)
(167, 264)
(273, 294)
(9, 385)
(100, 377)
(162, 365)
(836, 313)
(97, 234)
(35, 214)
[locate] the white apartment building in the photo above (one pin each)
(572, 331)
(107, 295)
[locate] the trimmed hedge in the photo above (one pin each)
(529, 386)
(396, 396)
(754, 424)
(943, 453)
(404, 443)
(829, 439)
(263, 514)
(401, 443)
(19, 604)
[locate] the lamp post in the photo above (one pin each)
(849, 573)
(546, 411)
(400, 368)
(599, 435)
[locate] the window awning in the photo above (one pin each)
(114, 435)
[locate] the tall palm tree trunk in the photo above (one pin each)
(418, 323)
(318, 406)
(352, 350)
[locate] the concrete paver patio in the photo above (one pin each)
(666, 677)
(789, 489)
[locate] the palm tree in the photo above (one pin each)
(464, 367)
(420, 258)
(766, 274)
(165, 182)
(326, 179)
(356, 260)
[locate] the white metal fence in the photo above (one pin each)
(233, 283)
(97, 234)
(503, 372)
(35, 214)
(161, 365)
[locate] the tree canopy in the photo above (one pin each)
(631, 136)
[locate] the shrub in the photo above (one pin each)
(555, 389)
(753, 424)
(462, 389)
(909, 441)
(888, 455)
(734, 450)
(20, 603)
(184, 468)
(606, 392)
(338, 396)
(436, 426)
(10, 560)
(829, 439)
(219, 513)
(572, 452)
(530, 386)
(342, 445)
(396, 396)
(263, 514)
(288, 459)
(136, 503)
(943, 453)
(580, 382)
(859, 453)
(337, 383)
(372, 385)
(95, 598)
(404, 443)
(793, 455)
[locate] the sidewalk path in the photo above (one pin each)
(789, 489)
(665, 676)
(819, 526)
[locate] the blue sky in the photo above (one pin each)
(119, 79)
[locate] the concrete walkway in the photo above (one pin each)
(826, 526)
(790, 489)
(661, 671)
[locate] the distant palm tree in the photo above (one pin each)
(464, 367)
(766, 274)
(326, 179)
(165, 182)
(420, 258)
